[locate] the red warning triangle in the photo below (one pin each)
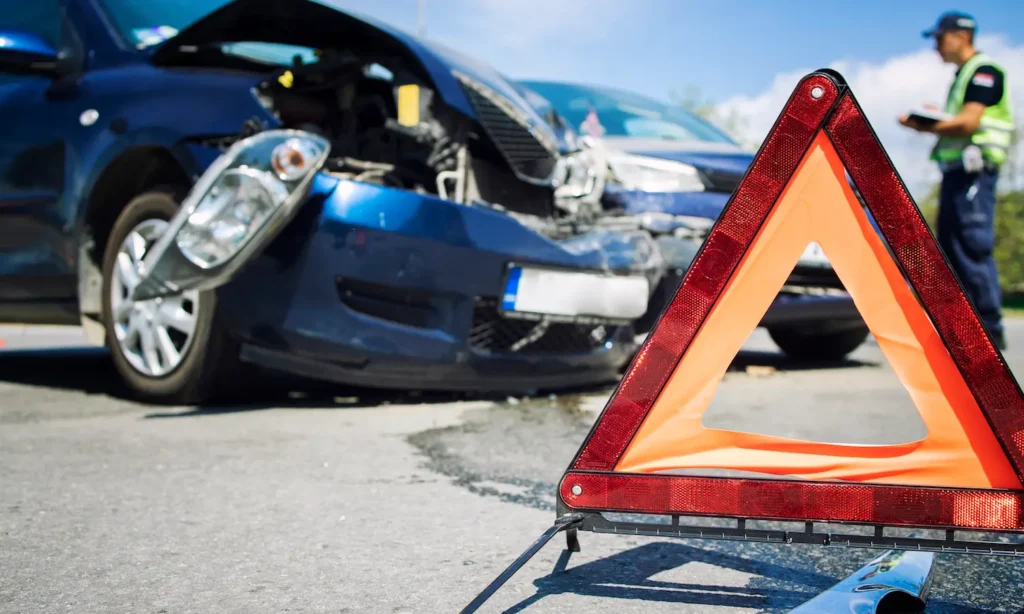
(966, 473)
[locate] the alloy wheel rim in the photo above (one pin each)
(153, 335)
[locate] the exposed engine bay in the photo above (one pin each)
(386, 126)
(357, 112)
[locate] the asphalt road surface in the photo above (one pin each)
(351, 501)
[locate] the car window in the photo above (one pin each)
(610, 112)
(149, 23)
(273, 53)
(153, 22)
(41, 17)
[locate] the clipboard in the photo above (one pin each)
(928, 117)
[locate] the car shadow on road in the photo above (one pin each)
(631, 575)
(286, 393)
(277, 392)
(83, 369)
(89, 370)
(285, 397)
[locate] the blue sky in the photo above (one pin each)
(727, 47)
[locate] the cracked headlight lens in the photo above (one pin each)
(239, 202)
(267, 173)
(237, 206)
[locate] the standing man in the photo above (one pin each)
(972, 146)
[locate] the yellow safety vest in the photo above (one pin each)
(994, 135)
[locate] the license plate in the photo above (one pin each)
(573, 294)
(814, 256)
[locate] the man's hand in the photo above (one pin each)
(913, 124)
(965, 123)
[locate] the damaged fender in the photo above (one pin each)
(235, 209)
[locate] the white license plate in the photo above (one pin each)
(575, 294)
(814, 256)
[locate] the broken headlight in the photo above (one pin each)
(648, 174)
(259, 182)
(237, 206)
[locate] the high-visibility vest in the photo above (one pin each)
(994, 135)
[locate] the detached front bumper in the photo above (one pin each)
(374, 286)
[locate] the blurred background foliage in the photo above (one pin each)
(1009, 227)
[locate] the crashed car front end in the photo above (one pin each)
(371, 285)
(424, 229)
(380, 287)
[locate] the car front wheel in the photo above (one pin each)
(810, 345)
(169, 349)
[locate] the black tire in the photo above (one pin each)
(811, 345)
(211, 355)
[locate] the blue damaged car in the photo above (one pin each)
(673, 172)
(206, 186)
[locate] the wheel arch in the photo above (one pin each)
(130, 172)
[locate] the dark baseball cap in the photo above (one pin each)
(952, 20)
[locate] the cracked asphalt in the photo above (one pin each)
(315, 499)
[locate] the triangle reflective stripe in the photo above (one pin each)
(967, 471)
(960, 449)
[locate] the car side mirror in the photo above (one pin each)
(26, 53)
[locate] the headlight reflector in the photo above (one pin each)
(239, 202)
(648, 174)
(238, 205)
(255, 184)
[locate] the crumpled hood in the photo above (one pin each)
(310, 23)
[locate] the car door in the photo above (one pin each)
(37, 281)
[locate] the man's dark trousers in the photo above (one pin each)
(966, 233)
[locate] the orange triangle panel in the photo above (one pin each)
(966, 473)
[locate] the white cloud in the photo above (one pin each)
(885, 90)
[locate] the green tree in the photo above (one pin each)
(1009, 234)
(929, 206)
(1009, 250)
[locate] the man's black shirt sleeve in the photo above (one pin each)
(986, 86)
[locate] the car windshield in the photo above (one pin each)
(149, 23)
(609, 112)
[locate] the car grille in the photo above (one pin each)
(519, 145)
(720, 181)
(492, 333)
